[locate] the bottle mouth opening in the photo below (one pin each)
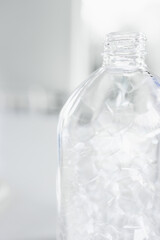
(125, 43)
(125, 36)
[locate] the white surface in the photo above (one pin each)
(28, 165)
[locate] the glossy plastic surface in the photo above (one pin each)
(109, 170)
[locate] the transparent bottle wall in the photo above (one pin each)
(109, 176)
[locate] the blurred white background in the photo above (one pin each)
(47, 47)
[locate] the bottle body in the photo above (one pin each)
(109, 157)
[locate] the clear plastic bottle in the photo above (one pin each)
(109, 135)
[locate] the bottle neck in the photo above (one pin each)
(124, 51)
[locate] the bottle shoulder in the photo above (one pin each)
(112, 91)
(76, 95)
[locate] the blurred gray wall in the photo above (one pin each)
(34, 44)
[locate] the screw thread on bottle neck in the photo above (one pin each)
(124, 50)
